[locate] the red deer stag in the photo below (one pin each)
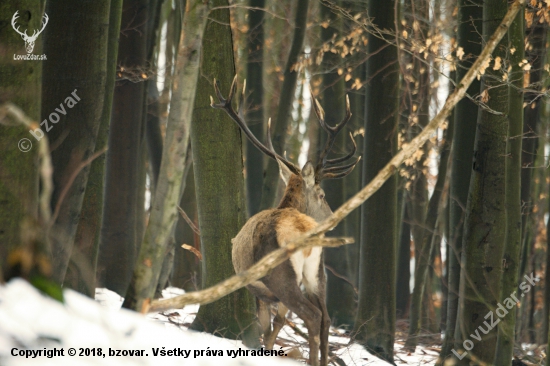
(301, 208)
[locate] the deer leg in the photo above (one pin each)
(282, 282)
(325, 326)
(278, 323)
(315, 284)
(264, 317)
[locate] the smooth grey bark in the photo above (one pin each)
(122, 177)
(340, 296)
(73, 134)
(485, 222)
(255, 108)
(506, 328)
(81, 273)
(168, 191)
(375, 322)
(271, 174)
(465, 117)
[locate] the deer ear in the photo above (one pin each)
(284, 172)
(308, 174)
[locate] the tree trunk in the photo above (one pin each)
(120, 218)
(375, 322)
(81, 273)
(219, 184)
(402, 285)
(255, 108)
(429, 240)
(186, 273)
(73, 96)
(286, 98)
(340, 293)
(465, 117)
(168, 191)
(505, 341)
(485, 223)
(19, 167)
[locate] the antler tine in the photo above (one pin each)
(344, 158)
(226, 105)
(336, 169)
(332, 132)
(339, 175)
(13, 23)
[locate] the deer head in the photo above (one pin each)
(29, 40)
(303, 190)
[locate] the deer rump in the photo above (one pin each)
(270, 230)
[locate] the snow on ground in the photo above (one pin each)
(30, 322)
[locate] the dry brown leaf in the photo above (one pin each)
(192, 250)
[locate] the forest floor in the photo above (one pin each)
(101, 334)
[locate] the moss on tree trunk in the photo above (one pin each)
(218, 170)
(485, 222)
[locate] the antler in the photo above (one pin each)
(44, 23)
(13, 19)
(225, 104)
(322, 171)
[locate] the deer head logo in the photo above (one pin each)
(29, 40)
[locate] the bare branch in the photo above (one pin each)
(234, 283)
(189, 221)
(275, 258)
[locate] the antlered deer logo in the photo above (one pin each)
(29, 40)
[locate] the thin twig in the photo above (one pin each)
(189, 222)
(277, 257)
(70, 183)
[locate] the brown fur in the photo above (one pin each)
(293, 196)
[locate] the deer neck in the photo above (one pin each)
(294, 196)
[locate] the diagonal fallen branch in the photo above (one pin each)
(272, 260)
(234, 283)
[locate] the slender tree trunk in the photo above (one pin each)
(485, 223)
(81, 273)
(403, 263)
(120, 218)
(255, 108)
(505, 341)
(186, 273)
(375, 322)
(428, 237)
(340, 293)
(219, 183)
(168, 191)
(465, 117)
(73, 96)
(19, 169)
(271, 174)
